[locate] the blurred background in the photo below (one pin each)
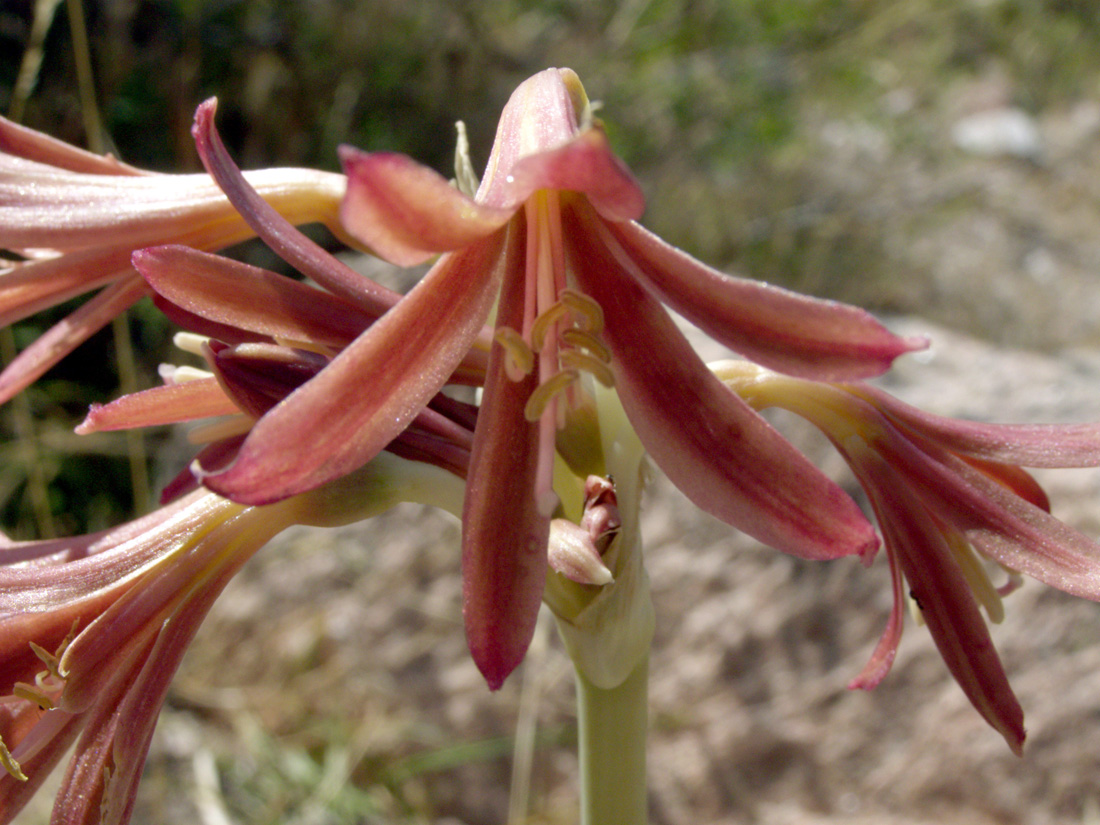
(931, 158)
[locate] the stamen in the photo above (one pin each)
(52, 661)
(586, 340)
(977, 577)
(1014, 583)
(31, 693)
(520, 360)
(589, 314)
(577, 360)
(9, 763)
(544, 322)
(172, 374)
(48, 659)
(190, 342)
(545, 392)
(221, 428)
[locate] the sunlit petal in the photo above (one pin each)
(169, 404)
(586, 165)
(247, 297)
(504, 536)
(27, 143)
(64, 336)
(945, 599)
(272, 225)
(785, 330)
(720, 453)
(1029, 445)
(373, 389)
(406, 212)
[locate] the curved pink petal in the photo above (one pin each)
(121, 210)
(170, 404)
(727, 459)
(882, 657)
(944, 597)
(542, 114)
(406, 212)
(33, 286)
(258, 376)
(79, 799)
(247, 297)
(994, 518)
(14, 794)
(372, 390)
(125, 731)
(1028, 445)
(504, 536)
(27, 143)
(274, 228)
(777, 328)
(65, 336)
(586, 165)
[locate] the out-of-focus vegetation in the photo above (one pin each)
(796, 141)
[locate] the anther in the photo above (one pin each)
(48, 659)
(586, 340)
(544, 322)
(9, 763)
(577, 360)
(519, 359)
(545, 392)
(190, 342)
(30, 693)
(588, 313)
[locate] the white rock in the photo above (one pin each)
(1000, 132)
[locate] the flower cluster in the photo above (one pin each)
(329, 401)
(949, 495)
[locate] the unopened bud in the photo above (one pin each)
(601, 519)
(573, 554)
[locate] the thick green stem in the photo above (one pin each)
(612, 743)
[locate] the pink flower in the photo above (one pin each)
(72, 220)
(550, 238)
(93, 628)
(115, 611)
(949, 496)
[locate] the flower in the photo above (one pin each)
(549, 239)
(72, 219)
(93, 628)
(948, 495)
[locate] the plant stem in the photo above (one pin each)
(611, 727)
